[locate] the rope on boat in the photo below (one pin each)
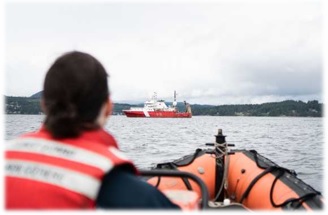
(298, 201)
(281, 172)
(173, 165)
(221, 154)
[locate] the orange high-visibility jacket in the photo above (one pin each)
(44, 173)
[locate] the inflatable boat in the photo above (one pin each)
(221, 178)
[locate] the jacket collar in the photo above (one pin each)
(98, 135)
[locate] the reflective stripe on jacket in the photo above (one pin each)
(45, 173)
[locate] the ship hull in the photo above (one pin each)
(157, 114)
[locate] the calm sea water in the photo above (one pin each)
(294, 143)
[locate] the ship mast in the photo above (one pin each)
(154, 97)
(174, 104)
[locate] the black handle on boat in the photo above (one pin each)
(203, 188)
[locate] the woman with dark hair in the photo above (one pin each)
(72, 162)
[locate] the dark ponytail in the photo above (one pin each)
(75, 88)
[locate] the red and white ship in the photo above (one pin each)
(154, 108)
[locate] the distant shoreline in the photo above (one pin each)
(122, 115)
(288, 108)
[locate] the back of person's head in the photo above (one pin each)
(75, 88)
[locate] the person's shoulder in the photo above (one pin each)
(31, 134)
(122, 187)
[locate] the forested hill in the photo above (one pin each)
(284, 108)
(31, 105)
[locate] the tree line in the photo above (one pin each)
(31, 105)
(284, 108)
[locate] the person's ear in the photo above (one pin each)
(43, 106)
(105, 112)
(109, 107)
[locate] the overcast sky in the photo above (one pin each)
(222, 52)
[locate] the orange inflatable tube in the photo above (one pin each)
(202, 166)
(250, 179)
(258, 183)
